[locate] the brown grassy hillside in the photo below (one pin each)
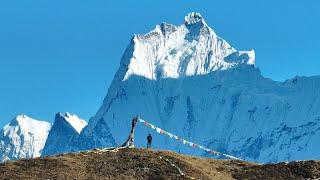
(147, 164)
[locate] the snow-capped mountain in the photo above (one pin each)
(178, 51)
(191, 82)
(23, 137)
(66, 127)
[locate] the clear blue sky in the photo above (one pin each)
(62, 55)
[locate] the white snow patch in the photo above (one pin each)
(77, 123)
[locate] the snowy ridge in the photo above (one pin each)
(23, 137)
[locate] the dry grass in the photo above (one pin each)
(147, 164)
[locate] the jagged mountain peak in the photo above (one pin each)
(193, 18)
(23, 137)
(193, 24)
(66, 127)
(27, 124)
(71, 119)
(189, 49)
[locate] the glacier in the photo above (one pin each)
(23, 137)
(189, 81)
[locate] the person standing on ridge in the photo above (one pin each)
(149, 138)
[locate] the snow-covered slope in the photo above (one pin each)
(66, 127)
(191, 82)
(23, 137)
(177, 51)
